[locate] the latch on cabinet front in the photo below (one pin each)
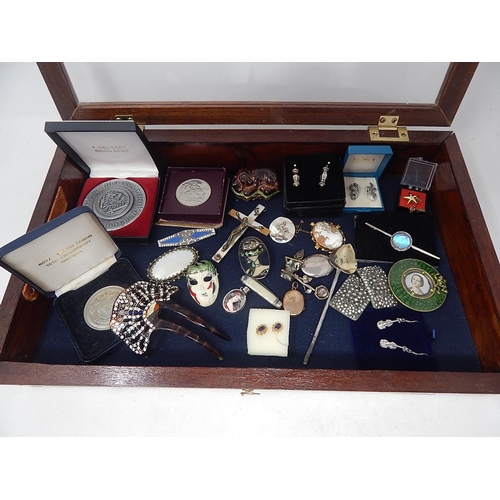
(387, 130)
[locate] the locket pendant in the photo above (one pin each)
(293, 301)
(317, 265)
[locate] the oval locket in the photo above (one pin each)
(293, 301)
(317, 265)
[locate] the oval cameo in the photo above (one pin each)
(327, 236)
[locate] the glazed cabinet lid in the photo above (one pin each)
(283, 94)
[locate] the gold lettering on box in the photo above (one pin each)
(364, 159)
(67, 253)
(110, 149)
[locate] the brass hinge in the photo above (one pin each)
(129, 118)
(124, 117)
(387, 130)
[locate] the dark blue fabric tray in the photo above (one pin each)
(453, 348)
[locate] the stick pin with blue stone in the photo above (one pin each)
(402, 241)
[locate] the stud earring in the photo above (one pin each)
(277, 327)
(324, 175)
(295, 176)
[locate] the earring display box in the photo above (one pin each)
(466, 347)
(122, 184)
(363, 165)
(313, 185)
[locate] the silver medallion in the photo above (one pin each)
(116, 203)
(97, 310)
(193, 192)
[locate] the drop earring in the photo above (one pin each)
(295, 176)
(324, 175)
(354, 188)
(371, 192)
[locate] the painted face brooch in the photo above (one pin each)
(203, 282)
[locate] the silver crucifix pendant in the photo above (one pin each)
(246, 221)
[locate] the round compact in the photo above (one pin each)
(417, 285)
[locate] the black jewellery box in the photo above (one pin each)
(123, 180)
(313, 185)
(73, 259)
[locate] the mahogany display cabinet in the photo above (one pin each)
(30, 353)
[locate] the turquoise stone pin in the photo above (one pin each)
(402, 241)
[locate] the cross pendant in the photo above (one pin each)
(246, 221)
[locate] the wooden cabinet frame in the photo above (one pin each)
(452, 194)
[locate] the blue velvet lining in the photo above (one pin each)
(337, 347)
(415, 336)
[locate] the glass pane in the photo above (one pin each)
(224, 81)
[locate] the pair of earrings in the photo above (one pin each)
(322, 180)
(262, 329)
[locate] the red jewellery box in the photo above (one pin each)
(122, 184)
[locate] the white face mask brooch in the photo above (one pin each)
(203, 283)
